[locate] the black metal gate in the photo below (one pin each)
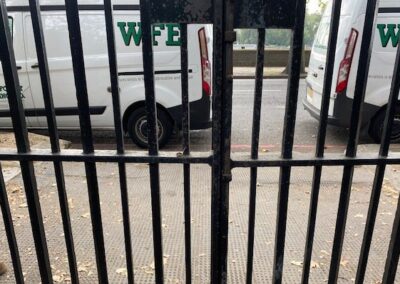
(225, 16)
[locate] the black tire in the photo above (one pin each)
(376, 126)
(137, 127)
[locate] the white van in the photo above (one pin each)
(387, 36)
(166, 41)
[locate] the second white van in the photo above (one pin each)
(386, 40)
(166, 42)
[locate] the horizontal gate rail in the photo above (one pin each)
(225, 16)
(238, 161)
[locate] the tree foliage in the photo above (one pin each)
(281, 37)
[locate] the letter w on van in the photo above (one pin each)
(388, 32)
(131, 32)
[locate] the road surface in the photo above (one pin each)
(273, 108)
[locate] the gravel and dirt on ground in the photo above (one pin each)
(171, 181)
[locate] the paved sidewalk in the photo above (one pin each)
(269, 73)
(173, 225)
(7, 140)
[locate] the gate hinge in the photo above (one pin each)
(230, 36)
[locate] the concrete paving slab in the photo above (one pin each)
(173, 224)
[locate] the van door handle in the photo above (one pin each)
(110, 90)
(321, 67)
(19, 67)
(34, 66)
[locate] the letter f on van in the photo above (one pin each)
(390, 34)
(132, 32)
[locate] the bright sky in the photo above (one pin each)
(312, 6)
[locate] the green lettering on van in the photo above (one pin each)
(4, 94)
(157, 32)
(133, 30)
(127, 35)
(173, 35)
(388, 32)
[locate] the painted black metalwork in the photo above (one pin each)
(7, 58)
(186, 149)
(151, 110)
(78, 64)
(392, 259)
(288, 137)
(225, 16)
(10, 232)
(119, 133)
(320, 149)
(54, 139)
(354, 132)
(254, 151)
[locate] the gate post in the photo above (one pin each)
(224, 36)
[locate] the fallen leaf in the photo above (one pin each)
(314, 264)
(82, 269)
(344, 263)
(58, 278)
(86, 215)
(297, 263)
(122, 271)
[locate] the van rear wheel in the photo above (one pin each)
(377, 125)
(137, 127)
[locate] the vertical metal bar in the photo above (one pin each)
(379, 175)
(288, 137)
(152, 136)
(392, 259)
(186, 149)
(254, 150)
(9, 227)
(78, 63)
(320, 149)
(218, 72)
(351, 151)
(119, 133)
(224, 36)
(393, 255)
(54, 139)
(7, 58)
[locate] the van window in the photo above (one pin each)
(322, 37)
(11, 25)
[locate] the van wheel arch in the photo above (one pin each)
(134, 107)
(376, 124)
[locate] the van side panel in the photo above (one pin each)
(128, 44)
(387, 32)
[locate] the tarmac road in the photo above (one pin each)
(273, 107)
